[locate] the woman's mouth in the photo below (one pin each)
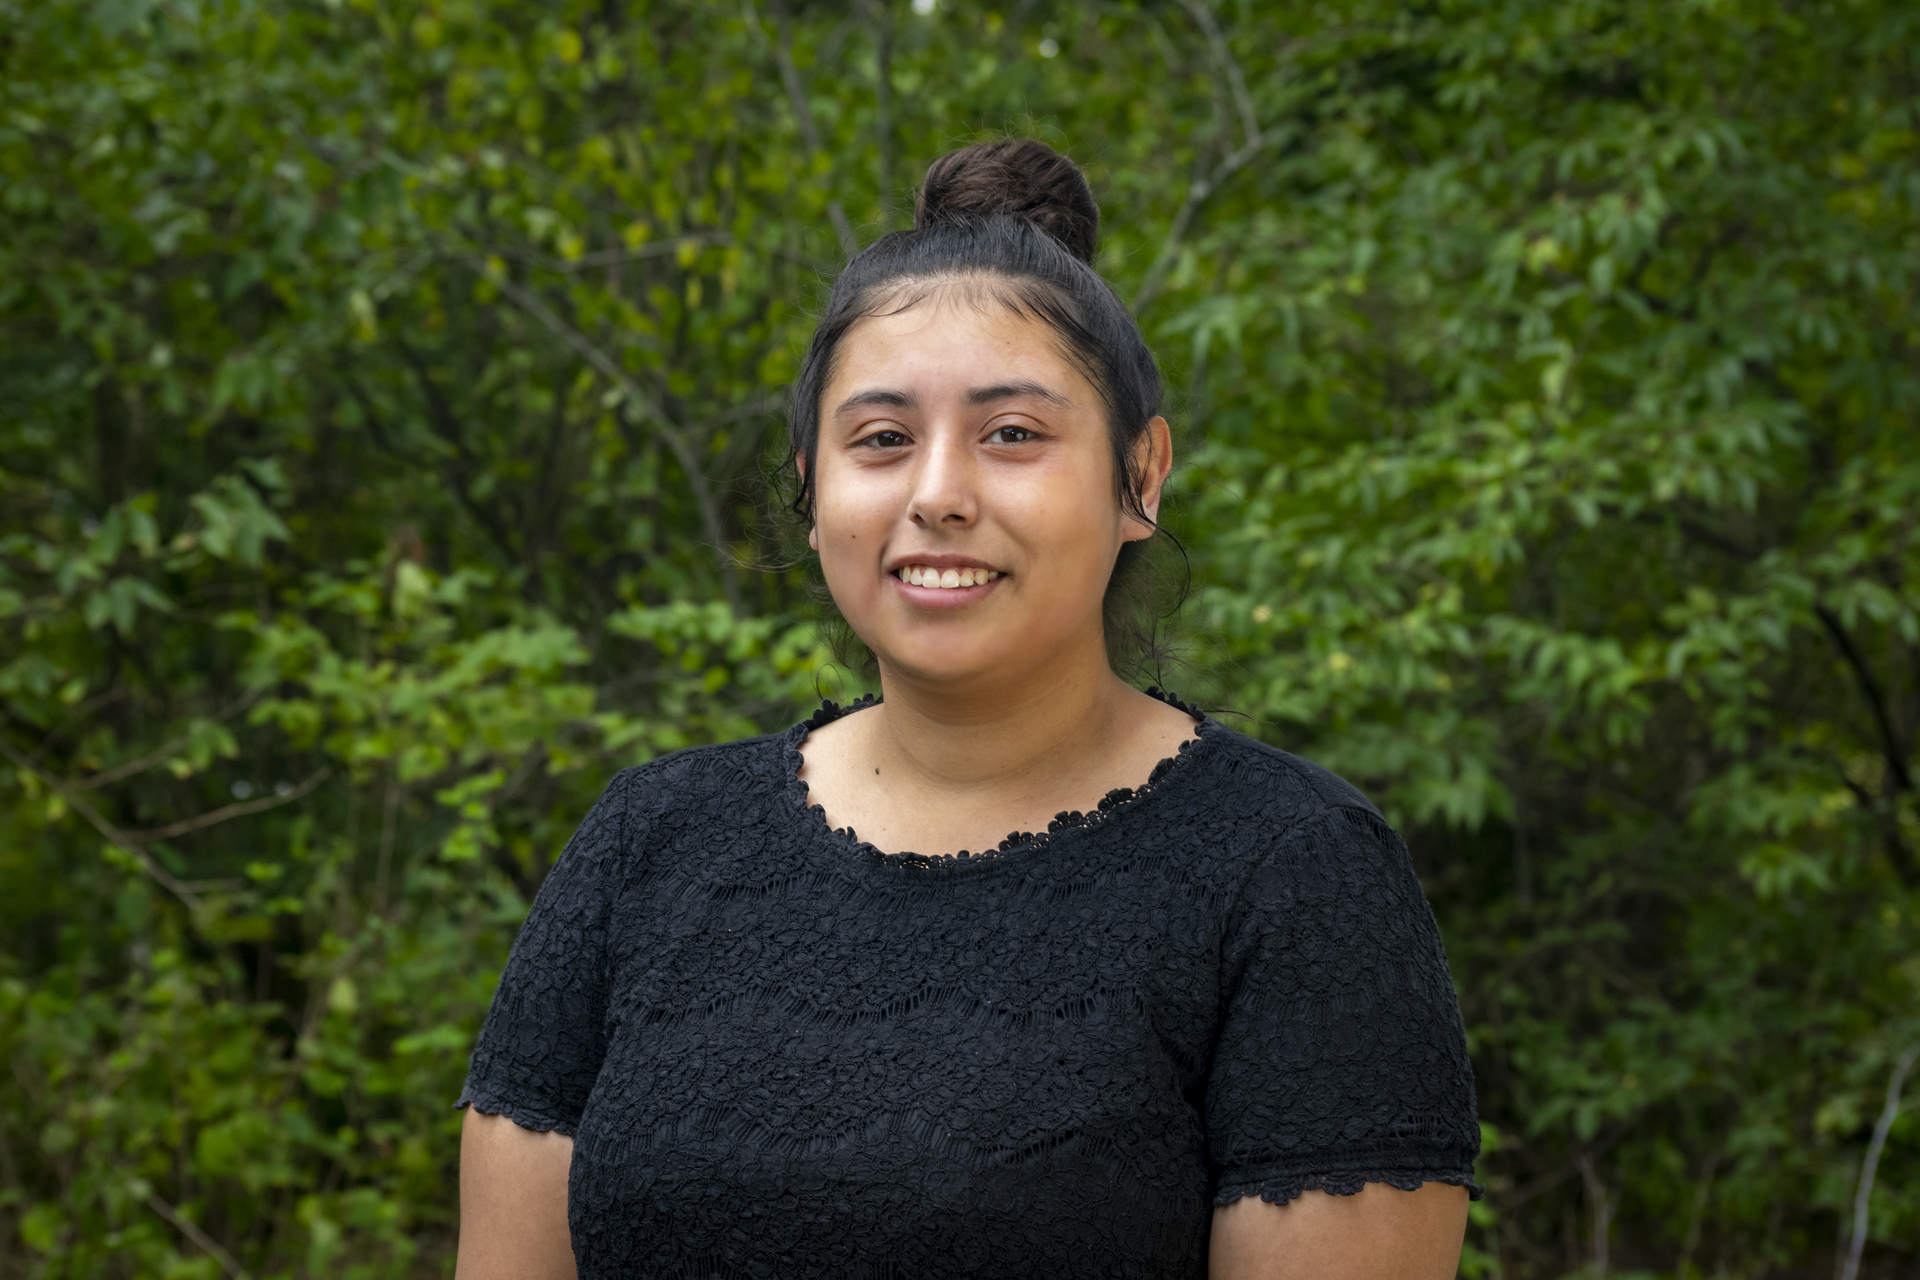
(946, 579)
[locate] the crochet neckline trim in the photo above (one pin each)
(1021, 842)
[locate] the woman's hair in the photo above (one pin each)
(1012, 223)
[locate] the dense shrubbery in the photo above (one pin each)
(388, 393)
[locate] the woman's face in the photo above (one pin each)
(959, 446)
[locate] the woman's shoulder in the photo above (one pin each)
(1308, 835)
(1263, 812)
(728, 770)
(642, 803)
(1259, 775)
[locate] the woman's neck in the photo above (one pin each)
(957, 764)
(1039, 727)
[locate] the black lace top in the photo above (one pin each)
(780, 1052)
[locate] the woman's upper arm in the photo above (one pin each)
(1380, 1234)
(1340, 1066)
(540, 1049)
(538, 1057)
(513, 1202)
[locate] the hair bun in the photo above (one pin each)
(1019, 178)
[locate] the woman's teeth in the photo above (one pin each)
(927, 576)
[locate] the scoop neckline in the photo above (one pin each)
(1017, 843)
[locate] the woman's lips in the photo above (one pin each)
(936, 578)
(931, 593)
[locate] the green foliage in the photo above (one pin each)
(390, 392)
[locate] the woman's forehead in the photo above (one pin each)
(952, 341)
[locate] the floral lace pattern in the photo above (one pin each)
(781, 1052)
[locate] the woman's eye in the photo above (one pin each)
(884, 440)
(1010, 435)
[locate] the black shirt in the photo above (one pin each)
(780, 1052)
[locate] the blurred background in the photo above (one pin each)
(391, 395)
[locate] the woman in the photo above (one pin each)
(1200, 1024)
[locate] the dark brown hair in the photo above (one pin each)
(1015, 223)
(1021, 179)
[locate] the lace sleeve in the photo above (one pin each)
(540, 1049)
(1341, 1060)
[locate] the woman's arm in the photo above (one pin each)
(513, 1202)
(1380, 1234)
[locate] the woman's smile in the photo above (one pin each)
(944, 581)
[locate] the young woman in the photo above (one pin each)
(1191, 1019)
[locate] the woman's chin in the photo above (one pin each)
(951, 661)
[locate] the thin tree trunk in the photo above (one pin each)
(1602, 1213)
(1863, 1197)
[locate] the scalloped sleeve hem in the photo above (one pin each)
(533, 1119)
(1286, 1188)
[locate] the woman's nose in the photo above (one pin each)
(944, 493)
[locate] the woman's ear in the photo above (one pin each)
(813, 529)
(1152, 462)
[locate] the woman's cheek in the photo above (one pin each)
(851, 580)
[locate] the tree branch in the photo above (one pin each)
(117, 838)
(1196, 196)
(446, 424)
(634, 395)
(1863, 1196)
(610, 257)
(72, 719)
(1890, 744)
(215, 817)
(154, 757)
(1256, 141)
(1230, 67)
(1883, 807)
(1508, 1201)
(211, 1247)
(456, 482)
(809, 132)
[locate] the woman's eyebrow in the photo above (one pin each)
(1008, 390)
(880, 396)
